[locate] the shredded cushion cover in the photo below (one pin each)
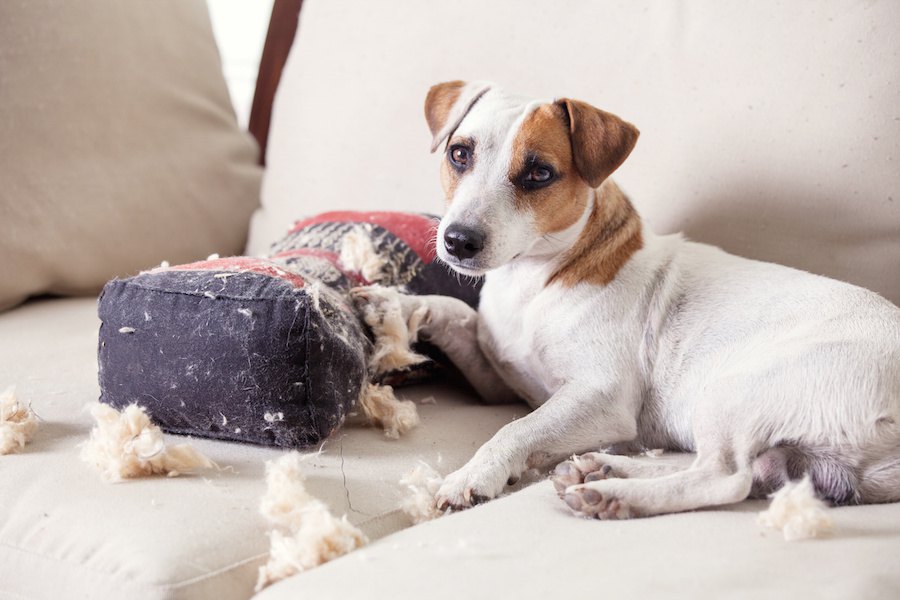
(262, 350)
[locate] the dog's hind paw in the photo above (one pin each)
(588, 502)
(580, 469)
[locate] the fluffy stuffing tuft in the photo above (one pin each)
(797, 512)
(358, 254)
(17, 423)
(305, 533)
(422, 483)
(393, 336)
(127, 444)
(383, 409)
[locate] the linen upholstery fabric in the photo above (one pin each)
(118, 144)
(64, 533)
(528, 546)
(771, 129)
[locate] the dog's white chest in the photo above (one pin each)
(515, 332)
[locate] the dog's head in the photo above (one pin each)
(517, 174)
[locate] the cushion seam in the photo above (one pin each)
(224, 296)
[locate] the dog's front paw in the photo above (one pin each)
(580, 469)
(395, 320)
(588, 501)
(467, 487)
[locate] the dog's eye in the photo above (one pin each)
(539, 175)
(459, 156)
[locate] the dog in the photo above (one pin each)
(618, 337)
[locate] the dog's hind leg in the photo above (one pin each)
(448, 323)
(881, 481)
(714, 479)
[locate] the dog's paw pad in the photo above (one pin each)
(604, 472)
(566, 474)
(591, 503)
(580, 469)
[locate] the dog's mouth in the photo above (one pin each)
(467, 266)
(472, 267)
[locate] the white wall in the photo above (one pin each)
(240, 28)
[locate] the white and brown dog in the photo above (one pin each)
(616, 335)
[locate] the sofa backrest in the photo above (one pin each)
(771, 129)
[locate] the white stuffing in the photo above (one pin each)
(127, 444)
(305, 533)
(214, 256)
(358, 254)
(245, 311)
(164, 264)
(315, 293)
(422, 483)
(393, 336)
(383, 408)
(18, 423)
(126, 330)
(797, 512)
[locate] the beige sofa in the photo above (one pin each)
(772, 130)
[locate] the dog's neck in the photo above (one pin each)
(611, 234)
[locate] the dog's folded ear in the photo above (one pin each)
(447, 104)
(601, 141)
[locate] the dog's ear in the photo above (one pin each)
(601, 141)
(447, 104)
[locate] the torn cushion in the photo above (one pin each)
(267, 351)
(388, 248)
(235, 348)
(385, 248)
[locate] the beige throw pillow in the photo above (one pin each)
(118, 144)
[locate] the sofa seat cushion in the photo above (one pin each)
(66, 533)
(527, 545)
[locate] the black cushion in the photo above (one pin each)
(267, 351)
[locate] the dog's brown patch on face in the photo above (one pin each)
(544, 138)
(609, 238)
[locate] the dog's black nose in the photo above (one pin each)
(463, 242)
